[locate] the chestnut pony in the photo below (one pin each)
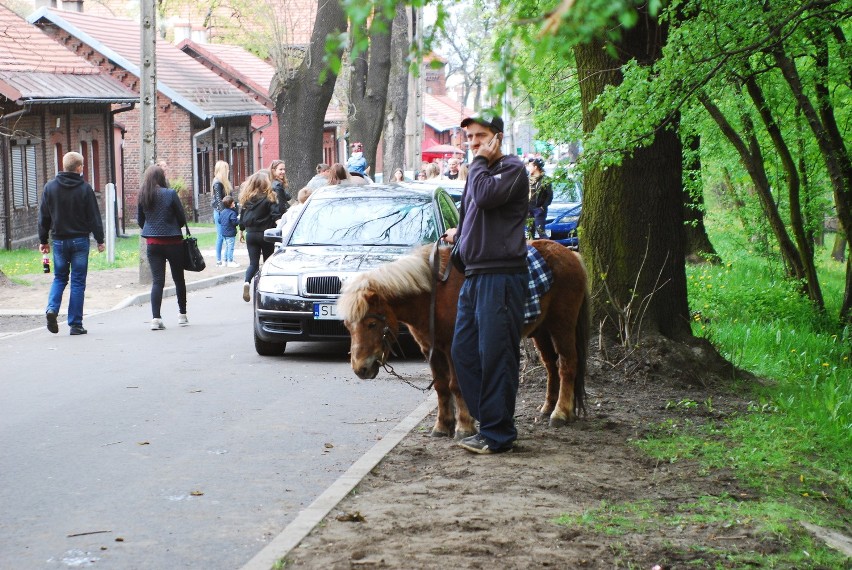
(406, 291)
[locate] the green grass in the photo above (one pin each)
(766, 519)
(20, 262)
(792, 449)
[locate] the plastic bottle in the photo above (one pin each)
(45, 263)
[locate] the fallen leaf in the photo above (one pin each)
(196, 493)
(351, 517)
(143, 443)
(329, 445)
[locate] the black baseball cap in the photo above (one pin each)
(488, 119)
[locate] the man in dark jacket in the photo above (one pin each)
(69, 213)
(491, 244)
(541, 195)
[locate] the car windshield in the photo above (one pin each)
(370, 220)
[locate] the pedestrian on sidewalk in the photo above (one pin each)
(69, 213)
(258, 213)
(227, 226)
(161, 216)
(492, 246)
(221, 188)
(541, 195)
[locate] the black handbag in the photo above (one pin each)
(193, 260)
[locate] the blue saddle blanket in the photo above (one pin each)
(540, 280)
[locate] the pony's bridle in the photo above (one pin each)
(389, 341)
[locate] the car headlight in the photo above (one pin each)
(279, 284)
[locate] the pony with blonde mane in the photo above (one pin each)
(410, 291)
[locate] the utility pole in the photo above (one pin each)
(148, 99)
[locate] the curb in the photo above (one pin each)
(139, 298)
(314, 513)
(142, 298)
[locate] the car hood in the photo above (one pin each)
(330, 259)
(556, 209)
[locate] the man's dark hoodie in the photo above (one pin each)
(69, 210)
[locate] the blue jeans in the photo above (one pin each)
(219, 238)
(69, 256)
(230, 242)
(487, 351)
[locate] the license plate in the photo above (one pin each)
(325, 312)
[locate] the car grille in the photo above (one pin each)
(328, 328)
(334, 329)
(329, 285)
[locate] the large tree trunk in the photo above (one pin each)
(301, 99)
(633, 234)
(396, 108)
(698, 247)
(368, 88)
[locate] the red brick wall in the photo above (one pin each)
(76, 124)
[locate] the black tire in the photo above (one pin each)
(266, 348)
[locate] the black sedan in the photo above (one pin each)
(342, 230)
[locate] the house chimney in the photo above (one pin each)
(182, 30)
(199, 34)
(72, 5)
(45, 4)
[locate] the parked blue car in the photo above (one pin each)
(563, 214)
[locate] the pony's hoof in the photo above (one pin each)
(558, 422)
(460, 435)
(438, 433)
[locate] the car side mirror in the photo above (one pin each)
(272, 235)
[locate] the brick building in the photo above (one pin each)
(51, 102)
(253, 76)
(201, 118)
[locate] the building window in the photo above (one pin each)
(96, 168)
(202, 158)
(57, 158)
(84, 150)
(24, 176)
(239, 165)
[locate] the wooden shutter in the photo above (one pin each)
(18, 177)
(32, 178)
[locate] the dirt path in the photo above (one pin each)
(430, 504)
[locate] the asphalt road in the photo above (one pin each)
(179, 448)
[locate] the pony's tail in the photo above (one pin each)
(582, 338)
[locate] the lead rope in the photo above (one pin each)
(388, 341)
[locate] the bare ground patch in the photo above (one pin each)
(429, 504)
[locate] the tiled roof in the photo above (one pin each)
(35, 69)
(442, 112)
(247, 68)
(240, 64)
(179, 77)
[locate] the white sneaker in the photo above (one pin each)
(231, 264)
(247, 292)
(157, 325)
(219, 264)
(182, 320)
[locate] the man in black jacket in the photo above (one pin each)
(541, 195)
(492, 247)
(69, 213)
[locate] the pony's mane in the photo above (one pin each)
(408, 275)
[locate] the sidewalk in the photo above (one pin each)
(105, 290)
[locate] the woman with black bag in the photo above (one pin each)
(161, 216)
(258, 212)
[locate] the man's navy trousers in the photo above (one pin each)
(487, 352)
